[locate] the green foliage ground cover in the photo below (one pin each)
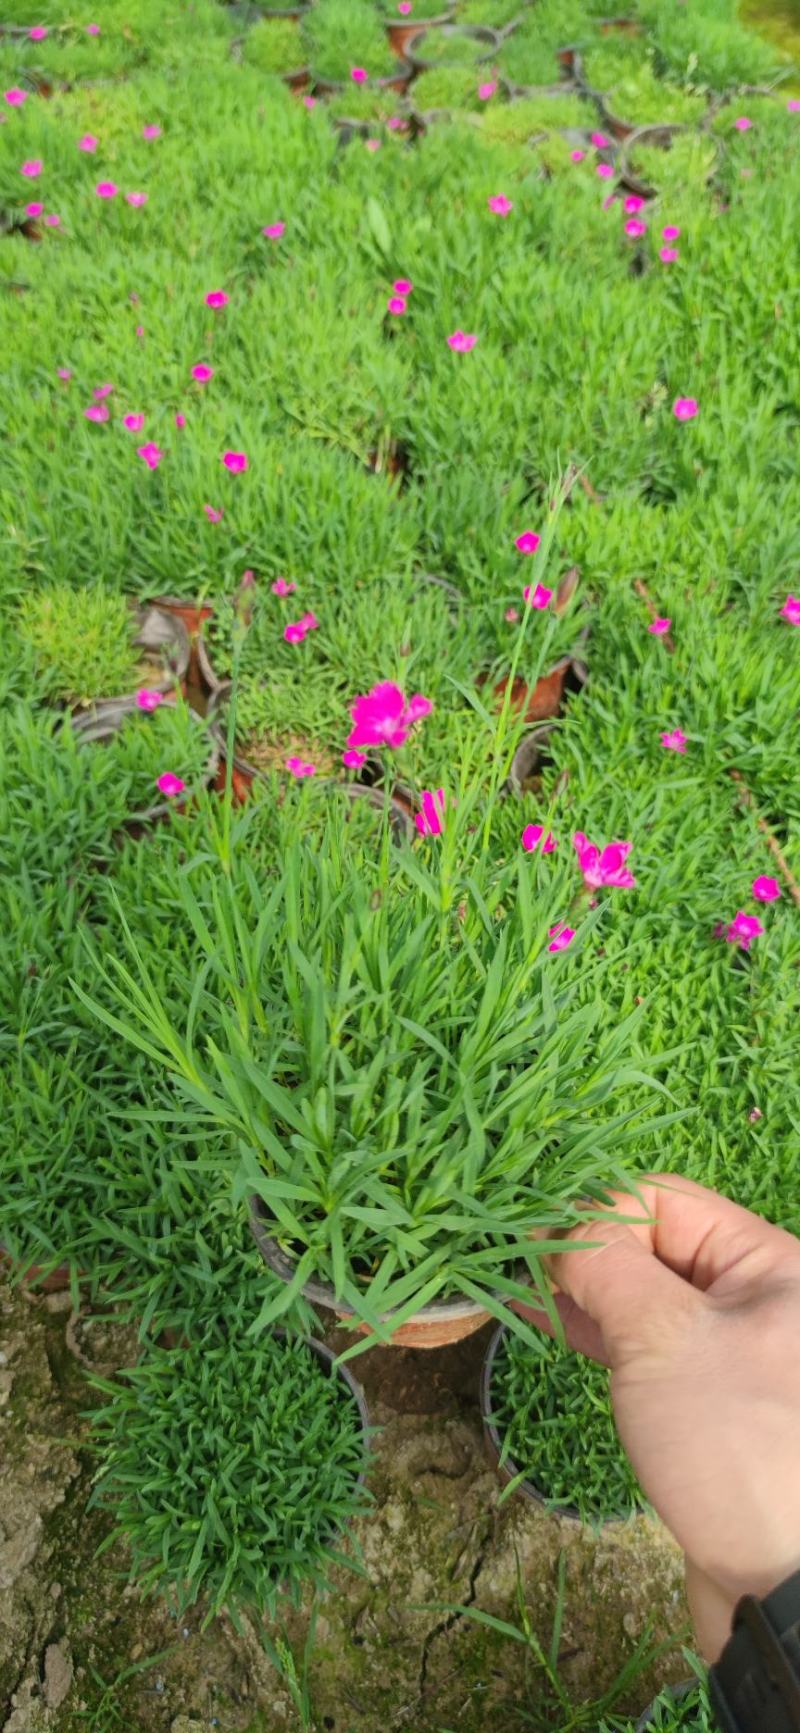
(585, 339)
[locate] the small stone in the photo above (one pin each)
(137, 1651)
(57, 1674)
(185, 1724)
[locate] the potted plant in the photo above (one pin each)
(343, 38)
(549, 1429)
(162, 755)
(454, 45)
(680, 1709)
(412, 1089)
(401, 28)
(88, 643)
(233, 1464)
(275, 45)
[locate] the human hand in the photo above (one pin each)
(695, 1306)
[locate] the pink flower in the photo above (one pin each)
(670, 233)
(359, 74)
(136, 199)
(134, 423)
(295, 632)
(170, 784)
(743, 124)
(430, 821)
(404, 7)
(791, 610)
(64, 372)
(560, 937)
(485, 91)
(668, 255)
(511, 614)
(765, 890)
(500, 204)
(96, 412)
(282, 587)
(403, 286)
(93, 29)
(88, 143)
(674, 740)
(140, 330)
(396, 304)
(659, 627)
(462, 341)
(151, 132)
(149, 454)
(632, 204)
(214, 517)
(273, 231)
(52, 221)
(299, 767)
(381, 717)
(309, 102)
(600, 141)
(235, 461)
(106, 189)
(685, 408)
(635, 227)
(101, 391)
(15, 97)
(354, 760)
(604, 170)
(372, 144)
(528, 542)
(32, 169)
(38, 33)
(743, 930)
(754, 1115)
(532, 837)
(577, 155)
(202, 373)
(34, 210)
(396, 123)
(537, 597)
(180, 420)
(217, 298)
(147, 699)
(603, 866)
(793, 105)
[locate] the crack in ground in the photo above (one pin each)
(454, 1618)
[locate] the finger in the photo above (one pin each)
(682, 1227)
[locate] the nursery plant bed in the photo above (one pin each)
(435, 1326)
(556, 1374)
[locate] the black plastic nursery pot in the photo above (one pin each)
(434, 1326)
(505, 1467)
(678, 1693)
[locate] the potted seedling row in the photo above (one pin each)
(261, 1504)
(550, 1433)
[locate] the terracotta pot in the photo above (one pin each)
(678, 1692)
(623, 26)
(55, 1282)
(298, 80)
(193, 614)
(435, 1326)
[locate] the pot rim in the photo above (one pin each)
(506, 1467)
(323, 1294)
(334, 1368)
